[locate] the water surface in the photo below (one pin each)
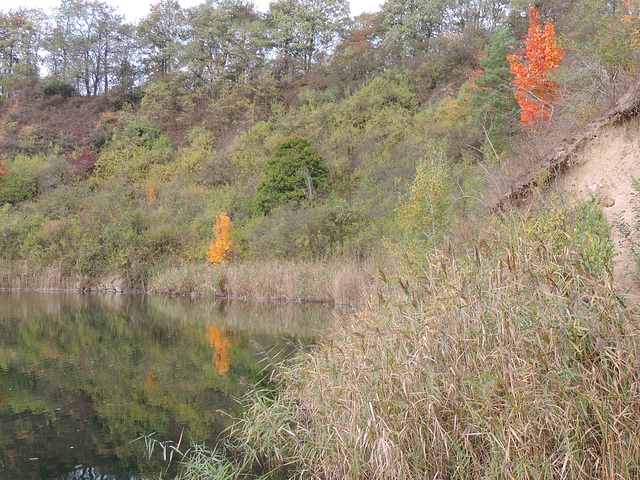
(81, 376)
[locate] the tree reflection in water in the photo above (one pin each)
(89, 473)
(222, 357)
(150, 377)
(81, 376)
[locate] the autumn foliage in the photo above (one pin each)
(535, 91)
(220, 249)
(424, 217)
(82, 163)
(152, 193)
(632, 20)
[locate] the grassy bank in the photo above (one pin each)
(511, 359)
(331, 281)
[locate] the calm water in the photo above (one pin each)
(81, 376)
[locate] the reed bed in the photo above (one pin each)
(509, 361)
(20, 275)
(334, 281)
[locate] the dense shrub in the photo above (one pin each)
(142, 132)
(20, 182)
(82, 163)
(54, 86)
(310, 232)
(425, 216)
(295, 172)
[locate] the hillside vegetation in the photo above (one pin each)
(306, 155)
(117, 169)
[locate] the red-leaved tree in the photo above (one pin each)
(535, 91)
(3, 170)
(83, 163)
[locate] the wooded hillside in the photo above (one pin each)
(123, 143)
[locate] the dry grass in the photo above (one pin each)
(508, 362)
(184, 278)
(20, 275)
(331, 281)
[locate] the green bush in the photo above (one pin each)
(631, 231)
(21, 182)
(295, 172)
(137, 151)
(582, 228)
(142, 132)
(18, 231)
(311, 232)
(17, 188)
(54, 86)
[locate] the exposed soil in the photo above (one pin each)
(600, 160)
(603, 168)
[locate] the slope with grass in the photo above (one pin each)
(506, 351)
(605, 169)
(123, 191)
(598, 161)
(144, 208)
(502, 350)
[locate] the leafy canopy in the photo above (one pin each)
(494, 99)
(424, 216)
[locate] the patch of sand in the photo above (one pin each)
(603, 167)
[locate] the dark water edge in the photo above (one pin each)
(82, 375)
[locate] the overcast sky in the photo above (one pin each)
(135, 9)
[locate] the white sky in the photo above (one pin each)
(133, 10)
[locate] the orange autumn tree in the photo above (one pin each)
(632, 20)
(152, 194)
(535, 91)
(220, 249)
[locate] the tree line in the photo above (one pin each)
(87, 47)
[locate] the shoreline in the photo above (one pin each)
(333, 281)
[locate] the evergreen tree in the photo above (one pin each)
(494, 100)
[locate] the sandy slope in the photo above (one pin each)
(599, 159)
(603, 167)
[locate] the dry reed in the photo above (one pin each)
(332, 281)
(509, 362)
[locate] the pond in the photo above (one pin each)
(82, 376)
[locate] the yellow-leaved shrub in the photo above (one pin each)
(220, 249)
